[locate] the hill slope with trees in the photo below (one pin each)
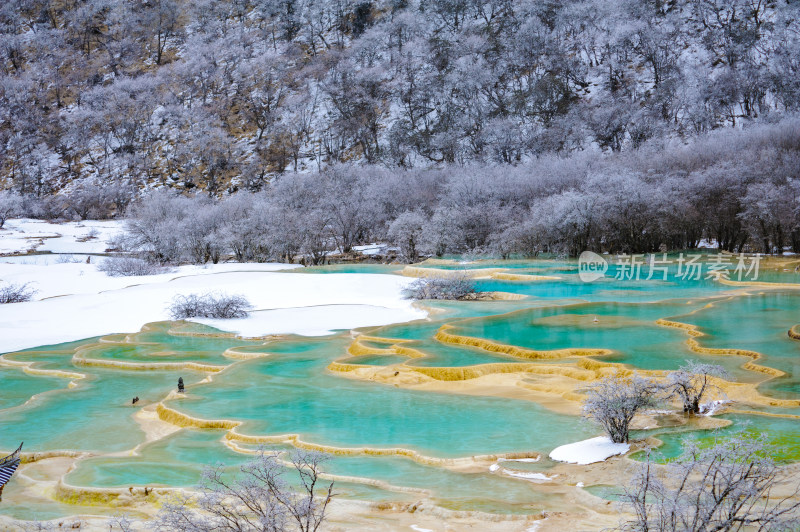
(227, 94)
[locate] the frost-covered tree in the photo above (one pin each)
(10, 206)
(152, 228)
(767, 215)
(279, 85)
(405, 233)
(691, 382)
(89, 201)
(731, 485)
(259, 498)
(613, 402)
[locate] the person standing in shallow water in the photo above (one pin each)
(180, 385)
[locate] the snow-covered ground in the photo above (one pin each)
(74, 300)
(25, 235)
(588, 451)
(77, 301)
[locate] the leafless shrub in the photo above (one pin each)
(124, 266)
(691, 382)
(16, 293)
(121, 523)
(67, 259)
(38, 526)
(615, 400)
(259, 499)
(728, 486)
(210, 305)
(459, 287)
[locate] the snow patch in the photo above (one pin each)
(712, 407)
(308, 321)
(708, 243)
(93, 304)
(420, 529)
(371, 249)
(527, 475)
(90, 236)
(535, 526)
(589, 451)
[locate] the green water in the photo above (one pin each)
(626, 328)
(18, 387)
(757, 322)
(291, 391)
(781, 433)
(295, 395)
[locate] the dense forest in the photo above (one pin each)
(446, 126)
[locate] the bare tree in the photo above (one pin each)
(615, 400)
(121, 522)
(259, 499)
(691, 382)
(729, 486)
(16, 293)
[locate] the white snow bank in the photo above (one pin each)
(535, 526)
(589, 451)
(89, 303)
(91, 236)
(708, 243)
(52, 279)
(713, 407)
(309, 321)
(527, 475)
(371, 249)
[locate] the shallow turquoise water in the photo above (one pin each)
(295, 395)
(626, 328)
(291, 391)
(187, 452)
(757, 322)
(18, 387)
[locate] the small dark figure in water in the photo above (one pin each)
(135, 400)
(180, 385)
